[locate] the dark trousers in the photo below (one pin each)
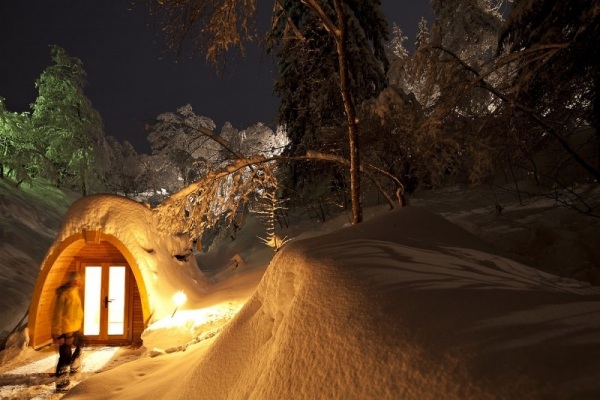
(66, 356)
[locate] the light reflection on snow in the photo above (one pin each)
(37, 367)
(198, 317)
(94, 359)
(97, 359)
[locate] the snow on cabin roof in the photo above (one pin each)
(135, 226)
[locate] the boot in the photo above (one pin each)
(75, 366)
(62, 380)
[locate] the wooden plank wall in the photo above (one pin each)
(101, 252)
(46, 305)
(65, 263)
(137, 320)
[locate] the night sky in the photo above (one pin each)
(132, 78)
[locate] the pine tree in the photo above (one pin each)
(419, 67)
(397, 43)
(399, 74)
(310, 99)
(65, 120)
(423, 36)
(126, 171)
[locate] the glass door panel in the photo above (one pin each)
(116, 300)
(92, 309)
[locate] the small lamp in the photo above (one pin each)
(179, 298)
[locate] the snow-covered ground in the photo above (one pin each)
(405, 305)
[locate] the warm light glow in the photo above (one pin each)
(195, 319)
(179, 298)
(104, 300)
(92, 301)
(116, 300)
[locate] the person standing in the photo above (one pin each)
(67, 321)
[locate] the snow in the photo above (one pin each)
(136, 226)
(404, 305)
(29, 219)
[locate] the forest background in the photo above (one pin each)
(493, 93)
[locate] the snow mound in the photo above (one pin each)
(405, 305)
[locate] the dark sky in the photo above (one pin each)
(131, 77)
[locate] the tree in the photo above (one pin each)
(270, 209)
(514, 103)
(553, 39)
(311, 105)
(187, 141)
(21, 153)
(342, 22)
(127, 173)
(436, 111)
(65, 121)
(213, 28)
(398, 56)
(257, 139)
(398, 151)
(410, 72)
(218, 195)
(396, 45)
(179, 136)
(468, 27)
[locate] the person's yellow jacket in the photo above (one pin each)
(68, 312)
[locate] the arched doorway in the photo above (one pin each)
(114, 295)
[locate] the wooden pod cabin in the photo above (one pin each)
(113, 294)
(132, 268)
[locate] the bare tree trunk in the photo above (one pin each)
(339, 32)
(596, 120)
(341, 43)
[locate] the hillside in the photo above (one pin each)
(403, 255)
(29, 220)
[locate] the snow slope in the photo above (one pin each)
(405, 305)
(29, 220)
(533, 224)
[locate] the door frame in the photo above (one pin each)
(103, 337)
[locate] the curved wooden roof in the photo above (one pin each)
(56, 265)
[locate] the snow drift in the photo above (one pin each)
(405, 305)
